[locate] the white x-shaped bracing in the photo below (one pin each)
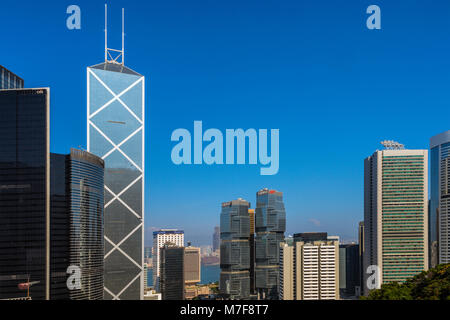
(140, 169)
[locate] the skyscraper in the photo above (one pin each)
(172, 280)
(216, 239)
(235, 249)
(270, 226)
(349, 269)
(309, 268)
(358, 289)
(161, 238)
(116, 131)
(77, 201)
(9, 80)
(396, 212)
(25, 193)
(251, 213)
(440, 200)
(192, 265)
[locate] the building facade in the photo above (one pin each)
(172, 279)
(349, 270)
(192, 266)
(77, 239)
(396, 213)
(270, 226)
(161, 238)
(216, 239)
(309, 268)
(116, 131)
(25, 193)
(439, 220)
(9, 80)
(235, 250)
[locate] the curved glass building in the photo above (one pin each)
(77, 202)
(235, 249)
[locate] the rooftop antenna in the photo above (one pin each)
(393, 145)
(113, 55)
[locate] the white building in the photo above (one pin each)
(309, 268)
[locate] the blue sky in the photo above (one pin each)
(310, 68)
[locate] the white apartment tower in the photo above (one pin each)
(309, 268)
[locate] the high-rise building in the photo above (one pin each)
(309, 268)
(216, 239)
(358, 289)
(270, 226)
(349, 269)
(116, 131)
(77, 201)
(251, 213)
(396, 213)
(172, 280)
(192, 271)
(161, 238)
(235, 250)
(439, 221)
(192, 265)
(25, 193)
(9, 80)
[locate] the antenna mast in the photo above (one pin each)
(113, 55)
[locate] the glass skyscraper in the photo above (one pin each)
(440, 200)
(77, 202)
(270, 226)
(9, 80)
(24, 193)
(116, 125)
(235, 249)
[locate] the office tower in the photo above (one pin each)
(251, 213)
(396, 212)
(192, 271)
(172, 272)
(145, 277)
(116, 131)
(192, 265)
(309, 268)
(358, 289)
(235, 250)
(77, 202)
(216, 239)
(161, 238)
(349, 269)
(439, 232)
(9, 80)
(270, 225)
(25, 193)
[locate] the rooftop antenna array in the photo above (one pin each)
(114, 55)
(393, 145)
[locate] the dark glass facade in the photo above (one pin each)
(349, 269)
(270, 226)
(24, 193)
(9, 80)
(172, 273)
(77, 201)
(235, 249)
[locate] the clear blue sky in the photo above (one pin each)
(310, 68)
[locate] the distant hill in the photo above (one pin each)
(429, 285)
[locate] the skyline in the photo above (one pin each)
(209, 72)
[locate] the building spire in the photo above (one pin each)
(113, 55)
